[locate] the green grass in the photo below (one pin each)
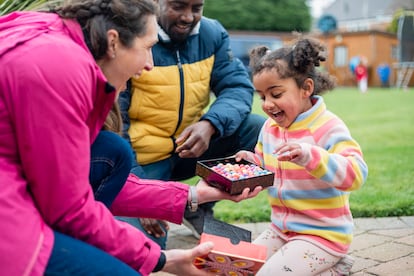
(382, 121)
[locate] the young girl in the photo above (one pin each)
(315, 159)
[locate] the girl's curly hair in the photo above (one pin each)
(298, 61)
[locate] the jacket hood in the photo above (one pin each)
(18, 27)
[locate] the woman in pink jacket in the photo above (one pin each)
(60, 75)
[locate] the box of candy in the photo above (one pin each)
(232, 176)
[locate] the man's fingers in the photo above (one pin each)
(153, 227)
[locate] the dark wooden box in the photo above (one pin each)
(203, 169)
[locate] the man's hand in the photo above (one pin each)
(180, 261)
(153, 227)
(207, 193)
(195, 139)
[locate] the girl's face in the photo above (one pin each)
(282, 99)
(121, 63)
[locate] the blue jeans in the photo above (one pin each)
(111, 159)
(176, 168)
(74, 257)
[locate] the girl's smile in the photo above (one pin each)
(282, 99)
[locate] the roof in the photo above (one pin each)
(346, 10)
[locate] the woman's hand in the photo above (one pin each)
(180, 261)
(207, 193)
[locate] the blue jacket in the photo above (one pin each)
(160, 104)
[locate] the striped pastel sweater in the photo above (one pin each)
(310, 197)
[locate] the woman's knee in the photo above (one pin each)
(114, 147)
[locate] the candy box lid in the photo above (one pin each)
(207, 170)
(226, 258)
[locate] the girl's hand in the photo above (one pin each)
(244, 154)
(288, 152)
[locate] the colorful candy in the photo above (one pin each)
(238, 171)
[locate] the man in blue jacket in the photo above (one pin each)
(168, 118)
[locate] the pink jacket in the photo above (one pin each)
(53, 101)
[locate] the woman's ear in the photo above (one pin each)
(113, 40)
(308, 87)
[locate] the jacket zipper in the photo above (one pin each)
(281, 176)
(180, 110)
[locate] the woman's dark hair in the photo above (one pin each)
(96, 17)
(297, 61)
(114, 120)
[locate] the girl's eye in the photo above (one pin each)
(276, 95)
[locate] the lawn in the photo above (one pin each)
(382, 121)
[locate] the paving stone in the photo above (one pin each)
(390, 223)
(181, 242)
(362, 264)
(408, 220)
(399, 267)
(379, 223)
(385, 252)
(367, 240)
(261, 226)
(365, 224)
(394, 232)
(409, 240)
(359, 231)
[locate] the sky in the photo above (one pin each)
(318, 5)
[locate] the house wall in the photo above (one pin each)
(375, 47)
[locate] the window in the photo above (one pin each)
(394, 52)
(341, 56)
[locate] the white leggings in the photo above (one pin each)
(295, 257)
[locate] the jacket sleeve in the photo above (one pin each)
(124, 101)
(231, 85)
(338, 162)
(136, 199)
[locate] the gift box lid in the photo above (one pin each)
(243, 250)
(233, 254)
(226, 258)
